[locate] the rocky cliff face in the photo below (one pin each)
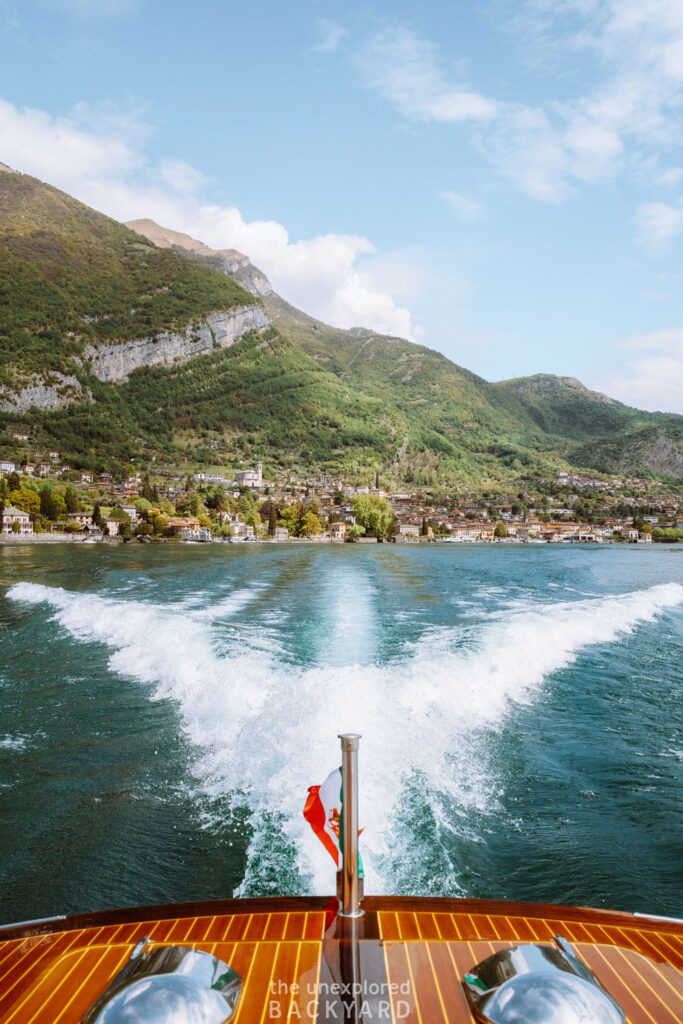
(663, 455)
(115, 363)
(48, 394)
(227, 261)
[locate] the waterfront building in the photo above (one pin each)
(409, 530)
(12, 515)
(79, 519)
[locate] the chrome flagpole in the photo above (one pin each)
(350, 889)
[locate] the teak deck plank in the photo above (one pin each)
(52, 977)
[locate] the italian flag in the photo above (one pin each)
(323, 811)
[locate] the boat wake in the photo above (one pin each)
(265, 728)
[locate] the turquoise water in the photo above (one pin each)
(165, 709)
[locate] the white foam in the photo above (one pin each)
(268, 728)
(14, 742)
(229, 606)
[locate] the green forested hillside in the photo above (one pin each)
(69, 276)
(602, 432)
(302, 394)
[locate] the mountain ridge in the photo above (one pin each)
(289, 388)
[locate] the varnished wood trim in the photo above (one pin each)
(371, 904)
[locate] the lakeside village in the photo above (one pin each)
(49, 501)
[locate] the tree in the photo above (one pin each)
(425, 529)
(60, 506)
(355, 531)
(226, 503)
(144, 529)
(16, 528)
(159, 524)
(501, 530)
(373, 513)
(97, 515)
(25, 499)
(71, 499)
(246, 505)
(338, 497)
(189, 504)
(13, 481)
(311, 525)
(47, 502)
(253, 519)
(670, 536)
(292, 517)
(272, 519)
(123, 529)
(52, 505)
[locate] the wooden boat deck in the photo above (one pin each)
(413, 951)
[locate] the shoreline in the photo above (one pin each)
(16, 540)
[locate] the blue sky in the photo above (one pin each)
(500, 180)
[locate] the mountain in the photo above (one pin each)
(609, 436)
(554, 414)
(228, 261)
(73, 282)
(136, 342)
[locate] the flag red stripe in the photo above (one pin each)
(314, 813)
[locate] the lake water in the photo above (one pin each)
(164, 709)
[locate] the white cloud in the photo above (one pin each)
(651, 372)
(637, 49)
(670, 177)
(324, 275)
(179, 176)
(658, 223)
(331, 35)
(593, 147)
(528, 149)
(631, 49)
(56, 148)
(467, 209)
(407, 71)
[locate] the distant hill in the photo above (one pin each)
(608, 434)
(119, 344)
